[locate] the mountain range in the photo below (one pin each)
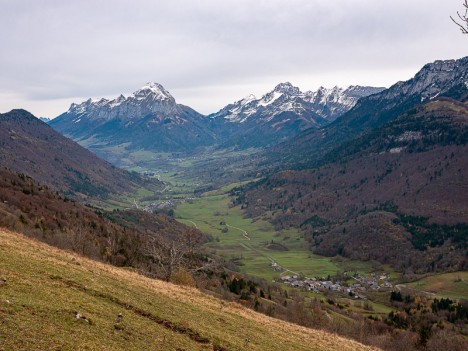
(441, 78)
(151, 119)
(284, 112)
(367, 175)
(323, 104)
(294, 129)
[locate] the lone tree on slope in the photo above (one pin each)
(462, 20)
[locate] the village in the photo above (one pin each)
(360, 283)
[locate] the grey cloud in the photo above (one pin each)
(54, 50)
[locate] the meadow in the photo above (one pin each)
(213, 212)
(449, 285)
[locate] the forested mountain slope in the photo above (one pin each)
(397, 192)
(30, 146)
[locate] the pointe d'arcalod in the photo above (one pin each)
(149, 118)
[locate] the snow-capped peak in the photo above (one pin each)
(285, 97)
(154, 90)
(287, 88)
(152, 98)
(249, 98)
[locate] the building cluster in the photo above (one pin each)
(158, 206)
(359, 284)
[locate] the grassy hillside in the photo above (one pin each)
(54, 300)
(450, 285)
(118, 237)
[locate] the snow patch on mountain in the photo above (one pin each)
(324, 103)
(267, 100)
(433, 80)
(150, 99)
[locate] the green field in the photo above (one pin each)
(452, 285)
(250, 250)
(184, 178)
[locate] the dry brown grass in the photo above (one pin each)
(45, 288)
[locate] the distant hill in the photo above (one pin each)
(30, 146)
(52, 299)
(397, 191)
(45, 119)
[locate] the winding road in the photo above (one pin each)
(194, 224)
(246, 235)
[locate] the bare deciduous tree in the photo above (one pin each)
(462, 20)
(166, 253)
(193, 238)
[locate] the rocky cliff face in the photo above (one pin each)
(332, 103)
(438, 79)
(152, 98)
(433, 80)
(284, 112)
(148, 119)
(317, 107)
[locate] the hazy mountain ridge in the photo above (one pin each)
(151, 119)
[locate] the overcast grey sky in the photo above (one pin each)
(209, 53)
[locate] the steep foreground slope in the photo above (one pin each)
(55, 300)
(117, 237)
